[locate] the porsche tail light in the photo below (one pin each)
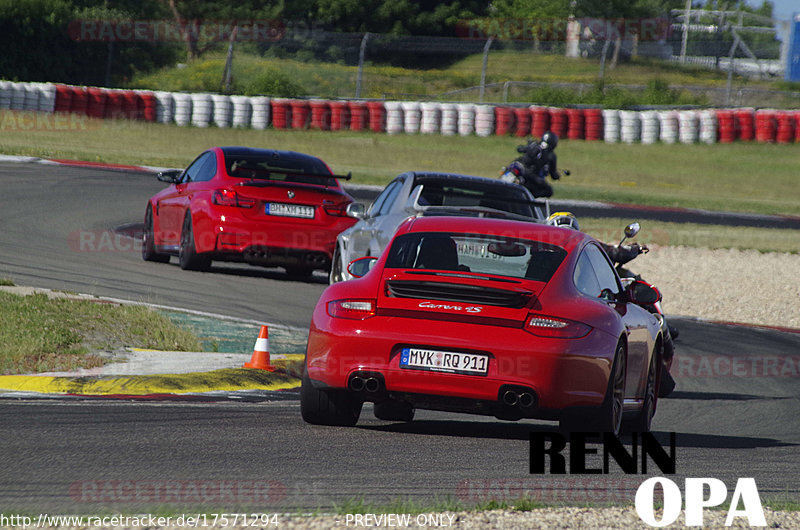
(354, 309)
(225, 197)
(557, 328)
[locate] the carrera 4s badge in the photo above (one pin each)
(448, 307)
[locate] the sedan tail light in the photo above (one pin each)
(354, 309)
(335, 210)
(225, 197)
(557, 328)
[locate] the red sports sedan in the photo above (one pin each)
(264, 207)
(484, 316)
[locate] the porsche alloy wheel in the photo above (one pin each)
(610, 419)
(148, 244)
(327, 407)
(188, 257)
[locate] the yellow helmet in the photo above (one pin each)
(564, 220)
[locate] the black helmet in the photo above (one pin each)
(549, 141)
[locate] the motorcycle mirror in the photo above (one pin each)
(630, 231)
(640, 292)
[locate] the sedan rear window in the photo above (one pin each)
(305, 171)
(476, 253)
(469, 194)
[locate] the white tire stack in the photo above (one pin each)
(630, 126)
(165, 107)
(431, 118)
(260, 112)
(202, 110)
(449, 119)
(689, 130)
(650, 128)
(411, 116)
(668, 125)
(223, 110)
(708, 126)
(466, 118)
(183, 109)
(242, 111)
(394, 117)
(611, 126)
(484, 120)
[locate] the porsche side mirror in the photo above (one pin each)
(640, 292)
(361, 266)
(172, 176)
(357, 210)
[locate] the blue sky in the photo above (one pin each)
(783, 8)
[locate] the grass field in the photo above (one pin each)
(39, 334)
(748, 177)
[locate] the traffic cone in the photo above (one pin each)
(260, 358)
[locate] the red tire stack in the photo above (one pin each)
(796, 125)
(320, 115)
(130, 104)
(340, 115)
(594, 124)
(281, 113)
(786, 127)
(63, 98)
(726, 120)
(115, 102)
(766, 126)
(746, 124)
(559, 121)
(377, 116)
(503, 120)
(96, 105)
(147, 106)
(575, 120)
(301, 112)
(359, 116)
(540, 121)
(523, 117)
(79, 100)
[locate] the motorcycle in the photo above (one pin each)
(622, 255)
(532, 176)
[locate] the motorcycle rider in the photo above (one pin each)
(538, 161)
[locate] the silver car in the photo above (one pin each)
(415, 193)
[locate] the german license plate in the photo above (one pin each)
(289, 210)
(444, 361)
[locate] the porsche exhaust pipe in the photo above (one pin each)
(526, 400)
(357, 384)
(372, 384)
(510, 398)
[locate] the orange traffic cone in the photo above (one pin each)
(260, 358)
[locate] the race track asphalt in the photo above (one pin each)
(734, 412)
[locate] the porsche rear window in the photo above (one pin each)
(476, 253)
(306, 171)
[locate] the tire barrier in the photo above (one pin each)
(183, 109)
(359, 115)
(301, 113)
(202, 109)
(611, 129)
(630, 126)
(766, 126)
(431, 118)
(576, 124)
(320, 114)
(377, 116)
(540, 120)
(260, 112)
(650, 127)
(281, 113)
(393, 117)
(523, 118)
(484, 120)
(412, 116)
(593, 124)
(708, 126)
(449, 119)
(340, 116)
(466, 118)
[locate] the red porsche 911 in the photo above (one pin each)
(484, 316)
(264, 207)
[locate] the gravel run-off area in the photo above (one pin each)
(729, 285)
